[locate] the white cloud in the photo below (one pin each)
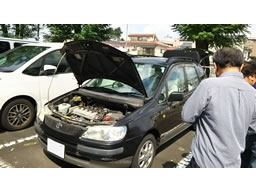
(161, 30)
(252, 30)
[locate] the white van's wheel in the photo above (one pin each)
(18, 114)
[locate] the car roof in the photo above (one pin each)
(52, 45)
(160, 60)
(150, 60)
(17, 40)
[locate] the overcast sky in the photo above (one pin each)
(161, 30)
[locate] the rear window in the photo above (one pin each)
(18, 44)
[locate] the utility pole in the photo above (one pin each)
(126, 36)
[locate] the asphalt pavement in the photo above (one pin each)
(20, 149)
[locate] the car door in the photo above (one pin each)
(52, 85)
(170, 115)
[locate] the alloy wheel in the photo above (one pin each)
(18, 115)
(146, 154)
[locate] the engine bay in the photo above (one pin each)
(89, 110)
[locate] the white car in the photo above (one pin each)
(28, 80)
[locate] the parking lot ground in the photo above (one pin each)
(21, 149)
(170, 154)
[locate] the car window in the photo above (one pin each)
(4, 46)
(176, 81)
(192, 77)
(52, 58)
(200, 71)
(18, 44)
(111, 86)
(17, 57)
(163, 96)
(150, 75)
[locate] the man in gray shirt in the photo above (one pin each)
(221, 109)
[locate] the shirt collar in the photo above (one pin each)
(232, 73)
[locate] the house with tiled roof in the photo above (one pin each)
(144, 44)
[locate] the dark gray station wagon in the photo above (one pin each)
(124, 109)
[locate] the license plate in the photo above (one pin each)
(55, 148)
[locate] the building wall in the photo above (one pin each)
(159, 51)
(143, 44)
(251, 44)
(133, 50)
(138, 50)
(141, 38)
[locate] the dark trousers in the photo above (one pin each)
(248, 157)
(193, 164)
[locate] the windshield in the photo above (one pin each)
(15, 58)
(150, 75)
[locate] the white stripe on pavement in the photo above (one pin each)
(185, 161)
(4, 164)
(21, 140)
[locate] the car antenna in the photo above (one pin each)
(48, 94)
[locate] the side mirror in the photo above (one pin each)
(162, 97)
(49, 69)
(175, 96)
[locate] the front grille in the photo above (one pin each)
(63, 127)
(64, 131)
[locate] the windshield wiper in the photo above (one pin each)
(131, 93)
(100, 89)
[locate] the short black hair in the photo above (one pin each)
(228, 57)
(249, 68)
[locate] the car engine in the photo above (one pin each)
(89, 112)
(82, 111)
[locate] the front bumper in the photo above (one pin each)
(74, 153)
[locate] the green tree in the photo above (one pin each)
(98, 32)
(116, 34)
(213, 35)
(4, 29)
(21, 30)
(61, 32)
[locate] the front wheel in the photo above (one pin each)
(18, 114)
(145, 153)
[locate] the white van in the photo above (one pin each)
(28, 79)
(9, 43)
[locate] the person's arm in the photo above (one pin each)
(195, 105)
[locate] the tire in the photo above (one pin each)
(18, 114)
(145, 153)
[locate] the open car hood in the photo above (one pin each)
(91, 59)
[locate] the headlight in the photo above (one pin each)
(44, 111)
(105, 133)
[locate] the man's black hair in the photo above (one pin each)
(249, 68)
(228, 57)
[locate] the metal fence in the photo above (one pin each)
(212, 72)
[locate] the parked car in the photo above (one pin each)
(10, 43)
(26, 73)
(127, 109)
